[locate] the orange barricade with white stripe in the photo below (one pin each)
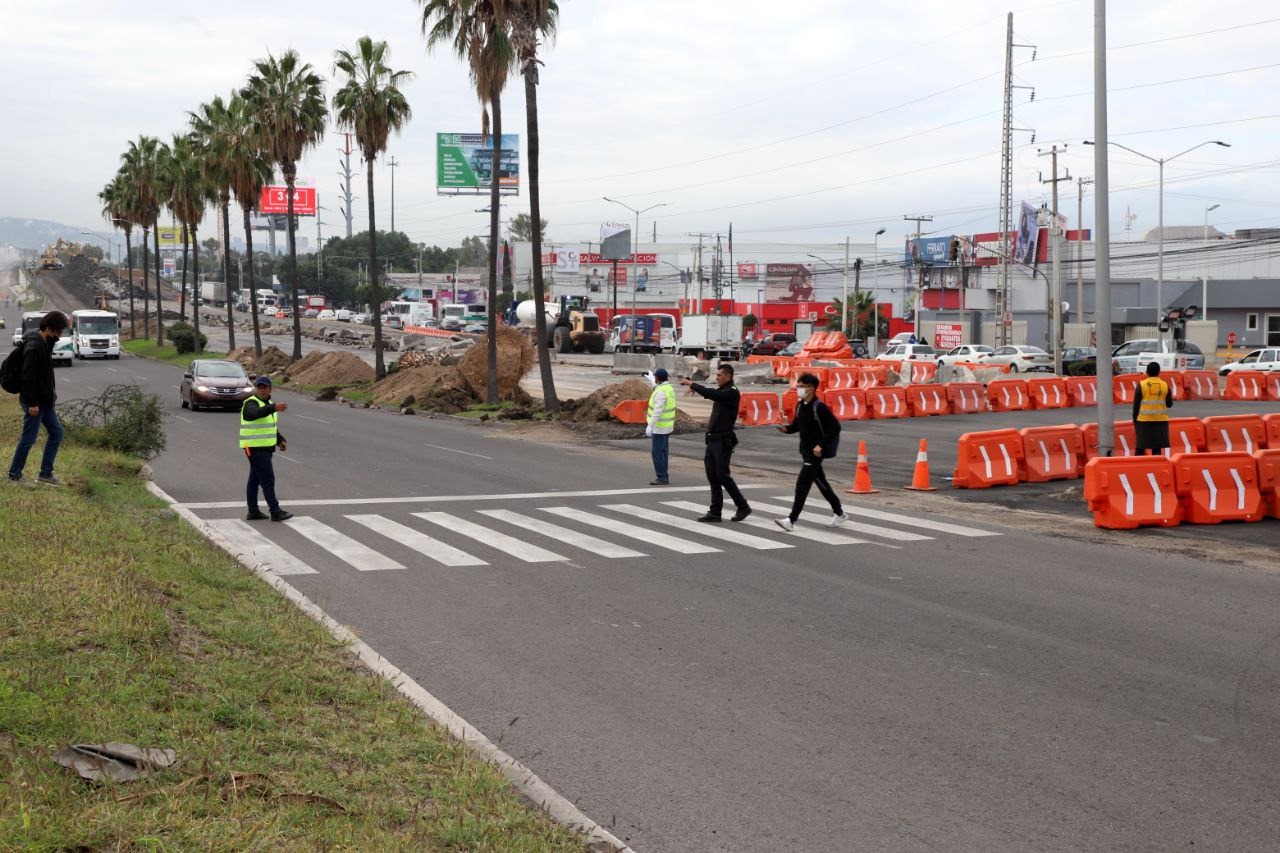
(1200, 384)
(1186, 435)
(631, 411)
(1007, 395)
(1125, 439)
(1051, 453)
(820, 372)
(982, 365)
(1124, 493)
(847, 404)
(873, 375)
(840, 378)
(887, 401)
(1216, 487)
(986, 459)
(1268, 462)
(759, 407)
(1271, 430)
(1227, 433)
(760, 359)
(927, 400)
(1083, 390)
(921, 371)
(1273, 386)
(1245, 385)
(1048, 393)
(966, 398)
(1124, 386)
(783, 367)
(788, 405)
(1176, 381)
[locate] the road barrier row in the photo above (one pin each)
(1195, 488)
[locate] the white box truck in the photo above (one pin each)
(213, 293)
(716, 335)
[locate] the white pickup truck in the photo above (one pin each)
(1266, 360)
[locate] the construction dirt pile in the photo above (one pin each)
(515, 359)
(273, 360)
(590, 415)
(430, 388)
(329, 369)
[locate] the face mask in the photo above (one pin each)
(805, 392)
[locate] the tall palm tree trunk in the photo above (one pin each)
(253, 285)
(146, 293)
(225, 200)
(290, 177)
(155, 236)
(491, 340)
(182, 297)
(195, 289)
(550, 402)
(375, 291)
(128, 253)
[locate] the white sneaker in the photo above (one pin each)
(838, 520)
(785, 524)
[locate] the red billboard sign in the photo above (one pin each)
(647, 258)
(748, 271)
(276, 200)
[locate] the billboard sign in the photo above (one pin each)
(615, 241)
(464, 163)
(1024, 250)
(947, 336)
(644, 258)
(788, 282)
(748, 271)
(929, 251)
(170, 237)
(275, 199)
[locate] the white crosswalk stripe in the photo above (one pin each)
(360, 556)
(265, 553)
(824, 518)
(668, 521)
(763, 522)
(420, 542)
(562, 534)
(859, 511)
(621, 528)
(498, 541)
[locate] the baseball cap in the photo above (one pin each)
(660, 375)
(264, 379)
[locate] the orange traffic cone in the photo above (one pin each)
(862, 477)
(920, 479)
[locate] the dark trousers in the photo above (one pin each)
(261, 474)
(661, 452)
(716, 460)
(812, 474)
(30, 432)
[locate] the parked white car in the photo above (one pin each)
(1266, 360)
(908, 352)
(327, 314)
(965, 352)
(1021, 359)
(342, 315)
(1127, 356)
(362, 317)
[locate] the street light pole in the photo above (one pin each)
(1204, 280)
(635, 252)
(844, 303)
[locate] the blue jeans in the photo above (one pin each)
(30, 432)
(661, 453)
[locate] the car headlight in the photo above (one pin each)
(248, 389)
(203, 389)
(115, 340)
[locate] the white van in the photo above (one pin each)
(95, 334)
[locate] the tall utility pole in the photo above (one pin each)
(1004, 295)
(698, 266)
(319, 246)
(1055, 291)
(392, 165)
(918, 220)
(844, 303)
(345, 165)
(1080, 185)
(1102, 237)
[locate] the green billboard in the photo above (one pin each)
(464, 163)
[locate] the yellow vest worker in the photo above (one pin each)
(1151, 412)
(260, 437)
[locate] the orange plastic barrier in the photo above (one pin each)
(927, 400)
(1216, 487)
(1050, 393)
(1126, 439)
(1124, 493)
(759, 407)
(788, 405)
(982, 365)
(1245, 385)
(986, 459)
(1176, 383)
(922, 371)
(1271, 430)
(760, 359)
(1200, 384)
(1268, 462)
(839, 378)
(1124, 386)
(1273, 386)
(1051, 453)
(873, 375)
(966, 398)
(1008, 395)
(887, 401)
(820, 372)
(631, 411)
(1227, 433)
(1186, 435)
(783, 367)
(847, 404)
(1083, 390)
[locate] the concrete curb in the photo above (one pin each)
(538, 792)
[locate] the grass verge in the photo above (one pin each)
(167, 353)
(118, 622)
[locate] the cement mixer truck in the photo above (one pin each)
(571, 326)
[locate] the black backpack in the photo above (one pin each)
(11, 370)
(830, 443)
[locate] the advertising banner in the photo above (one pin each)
(275, 199)
(170, 237)
(645, 258)
(464, 163)
(567, 260)
(618, 277)
(931, 251)
(748, 271)
(947, 336)
(1024, 250)
(788, 282)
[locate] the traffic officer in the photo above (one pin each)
(260, 436)
(1151, 412)
(660, 423)
(721, 439)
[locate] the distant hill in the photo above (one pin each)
(32, 234)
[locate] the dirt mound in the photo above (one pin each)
(330, 369)
(515, 359)
(272, 360)
(432, 388)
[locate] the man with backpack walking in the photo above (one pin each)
(819, 438)
(31, 378)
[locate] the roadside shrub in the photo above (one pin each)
(183, 337)
(124, 418)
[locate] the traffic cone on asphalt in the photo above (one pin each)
(920, 479)
(862, 477)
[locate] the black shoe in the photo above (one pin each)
(658, 482)
(741, 514)
(255, 515)
(710, 519)
(282, 515)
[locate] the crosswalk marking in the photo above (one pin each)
(266, 553)
(417, 541)
(500, 541)
(563, 534)
(644, 534)
(342, 546)
(869, 529)
(860, 511)
(714, 531)
(823, 535)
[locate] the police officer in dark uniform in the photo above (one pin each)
(721, 439)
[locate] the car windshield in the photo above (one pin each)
(1189, 348)
(220, 370)
(1034, 351)
(925, 350)
(97, 326)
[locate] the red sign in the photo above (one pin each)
(648, 258)
(947, 335)
(747, 271)
(1231, 339)
(276, 200)
(621, 280)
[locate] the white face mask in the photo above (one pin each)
(804, 392)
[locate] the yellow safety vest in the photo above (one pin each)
(668, 417)
(1154, 391)
(259, 433)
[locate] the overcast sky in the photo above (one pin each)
(798, 122)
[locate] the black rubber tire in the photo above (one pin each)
(597, 348)
(1013, 368)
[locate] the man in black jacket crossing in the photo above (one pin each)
(819, 435)
(37, 397)
(721, 439)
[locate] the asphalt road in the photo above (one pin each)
(954, 680)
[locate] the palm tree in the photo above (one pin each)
(287, 101)
(247, 169)
(139, 167)
(188, 195)
(115, 208)
(212, 128)
(372, 106)
(478, 32)
(161, 173)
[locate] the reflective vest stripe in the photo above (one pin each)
(1152, 408)
(668, 416)
(259, 433)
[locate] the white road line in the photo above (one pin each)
(869, 529)
(500, 541)
(823, 535)
(181, 418)
(463, 452)
(644, 534)
(94, 390)
(265, 553)
(420, 542)
(317, 420)
(113, 370)
(288, 459)
(856, 510)
(342, 546)
(563, 534)
(714, 531)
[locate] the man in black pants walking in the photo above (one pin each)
(819, 436)
(721, 439)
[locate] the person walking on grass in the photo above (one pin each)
(721, 439)
(37, 397)
(660, 423)
(260, 436)
(1151, 412)
(819, 437)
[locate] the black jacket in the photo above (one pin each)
(37, 372)
(817, 426)
(724, 412)
(253, 410)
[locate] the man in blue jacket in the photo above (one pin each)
(37, 396)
